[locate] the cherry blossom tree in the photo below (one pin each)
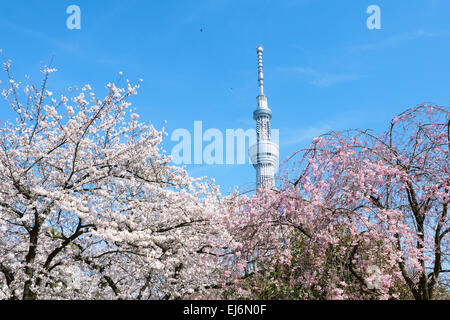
(90, 206)
(358, 215)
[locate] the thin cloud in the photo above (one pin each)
(40, 36)
(305, 134)
(321, 79)
(398, 39)
(353, 118)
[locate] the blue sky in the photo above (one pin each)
(324, 69)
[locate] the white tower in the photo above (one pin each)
(263, 154)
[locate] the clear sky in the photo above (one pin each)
(324, 69)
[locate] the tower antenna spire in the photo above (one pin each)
(259, 50)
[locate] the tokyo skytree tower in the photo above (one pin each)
(263, 154)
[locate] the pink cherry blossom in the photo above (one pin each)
(353, 201)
